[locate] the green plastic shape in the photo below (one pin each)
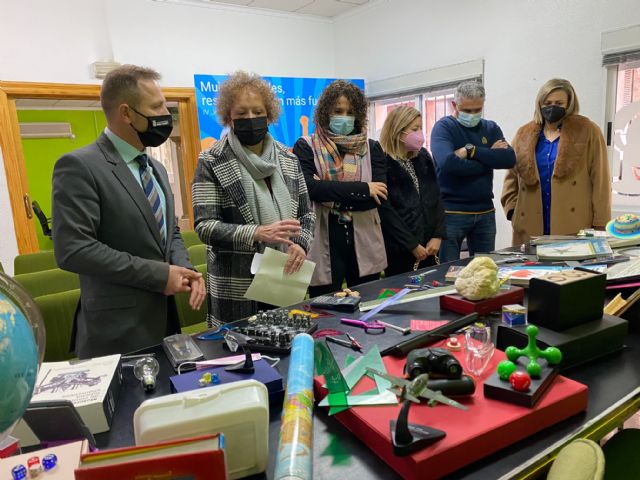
(552, 355)
(505, 369)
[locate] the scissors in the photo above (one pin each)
(369, 327)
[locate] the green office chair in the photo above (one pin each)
(198, 254)
(34, 262)
(58, 310)
(581, 459)
(47, 282)
(192, 321)
(585, 460)
(190, 238)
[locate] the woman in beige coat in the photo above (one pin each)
(561, 181)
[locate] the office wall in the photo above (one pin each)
(523, 44)
(57, 41)
(43, 41)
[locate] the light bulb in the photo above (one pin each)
(146, 369)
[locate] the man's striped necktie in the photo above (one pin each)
(151, 191)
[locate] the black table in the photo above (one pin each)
(613, 381)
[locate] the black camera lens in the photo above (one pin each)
(415, 369)
(453, 368)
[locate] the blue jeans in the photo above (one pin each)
(480, 231)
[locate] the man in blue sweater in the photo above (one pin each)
(466, 149)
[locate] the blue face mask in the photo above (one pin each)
(469, 120)
(342, 124)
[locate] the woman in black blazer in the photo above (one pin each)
(413, 215)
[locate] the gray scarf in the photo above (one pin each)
(265, 207)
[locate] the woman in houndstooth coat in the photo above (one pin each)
(248, 193)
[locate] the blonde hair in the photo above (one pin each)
(397, 121)
(573, 106)
(240, 82)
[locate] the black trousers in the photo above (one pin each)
(403, 262)
(344, 263)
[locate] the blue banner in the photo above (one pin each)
(298, 98)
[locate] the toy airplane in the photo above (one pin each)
(341, 382)
(415, 389)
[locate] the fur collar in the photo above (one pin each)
(573, 139)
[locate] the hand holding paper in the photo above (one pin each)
(272, 285)
(295, 260)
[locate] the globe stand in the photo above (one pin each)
(408, 437)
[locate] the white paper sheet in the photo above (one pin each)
(271, 285)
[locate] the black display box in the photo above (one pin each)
(566, 299)
(578, 345)
(502, 390)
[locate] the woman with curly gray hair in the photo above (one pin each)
(345, 175)
(248, 193)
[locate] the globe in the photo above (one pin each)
(21, 350)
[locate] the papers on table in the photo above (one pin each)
(271, 285)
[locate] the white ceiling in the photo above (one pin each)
(323, 8)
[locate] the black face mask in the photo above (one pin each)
(159, 128)
(553, 113)
(250, 131)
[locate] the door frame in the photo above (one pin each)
(13, 154)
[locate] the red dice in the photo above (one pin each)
(520, 381)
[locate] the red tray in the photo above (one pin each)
(457, 303)
(488, 426)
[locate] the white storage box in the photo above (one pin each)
(239, 410)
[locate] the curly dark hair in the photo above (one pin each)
(330, 96)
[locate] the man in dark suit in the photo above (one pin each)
(114, 224)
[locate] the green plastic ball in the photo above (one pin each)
(505, 369)
(532, 330)
(534, 369)
(553, 355)
(513, 353)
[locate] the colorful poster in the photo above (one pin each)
(298, 98)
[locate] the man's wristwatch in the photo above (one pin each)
(471, 150)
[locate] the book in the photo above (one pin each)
(196, 458)
(91, 385)
(623, 242)
(68, 458)
(624, 272)
(574, 249)
(546, 239)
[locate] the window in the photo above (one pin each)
(623, 130)
(436, 106)
(433, 104)
(628, 84)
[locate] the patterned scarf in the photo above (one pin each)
(411, 170)
(266, 207)
(340, 159)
